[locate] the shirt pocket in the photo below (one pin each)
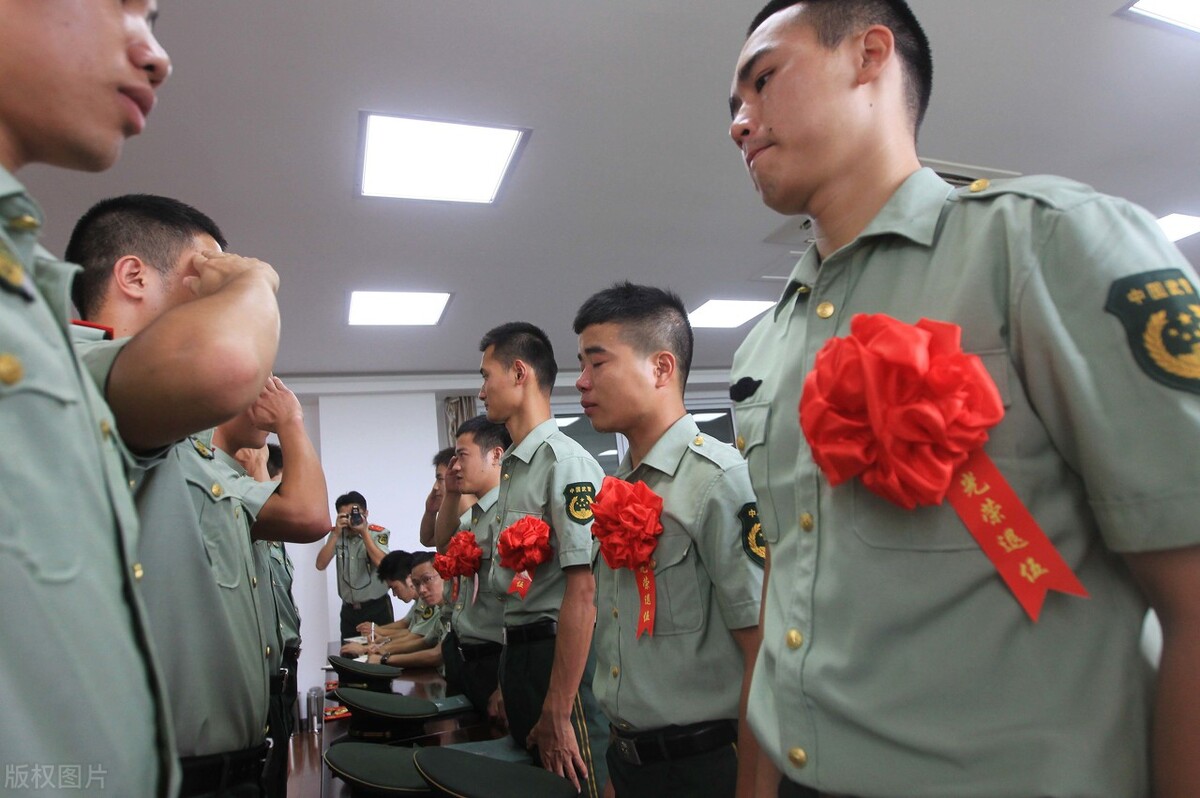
(43, 411)
(678, 608)
(226, 540)
(882, 525)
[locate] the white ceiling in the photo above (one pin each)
(629, 172)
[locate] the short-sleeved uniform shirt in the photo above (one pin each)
(69, 570)
(425, 619)
(895, 661)
(200, 586)
(254, 494)
(551, 477)
(478, 613)
(707, 580)
(356, 579)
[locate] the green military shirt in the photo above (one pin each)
(895, 661)
(425, 618)
(356, 579)
(478, 613)
(548, 476)
(281, 583)
(253, 494)
(199, 584)
(707, 577)
(69, 571)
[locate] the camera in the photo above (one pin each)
(356, 516)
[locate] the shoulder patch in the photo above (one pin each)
(381, 538)
(427, 612)
(1161, 314)
(753, 542)
(579, 496)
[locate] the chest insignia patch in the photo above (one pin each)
(1161, 314)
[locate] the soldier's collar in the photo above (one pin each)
(667, 452)
(530, 443)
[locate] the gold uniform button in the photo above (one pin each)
(616, 671)
(806, 522)
(105, 428)
(794, 639)
(268, 651)
(497, 519)
(133, 483)
(138, 571)
(24, 223)
(614, 612)
(798, 757)
(979, 185)
(803, 289)
(217, 490)
(699, 441)
(11, 369)
(254, 581)
(741, 443)
(506, 476)
(825, 310)
(11, 272)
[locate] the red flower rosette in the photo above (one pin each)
(627, 520)
(903, 408)
(462, 558)
(522, 547)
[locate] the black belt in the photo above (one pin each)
(672, 742)
(530, 632)
(203, 774)
(473, 652)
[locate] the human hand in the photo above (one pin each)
(215, 270)
(254, 461)
(353, 649)
(495, 710)
(433, 502)
(275, 406)
(554, 739)
(453, 478)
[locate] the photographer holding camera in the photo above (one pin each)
(359, 547)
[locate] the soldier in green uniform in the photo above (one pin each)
(433, 502)
(423, 648)
(676, 730)
(278, 619)
(139, 255)
(546, 667)
(76, 79)
(472, 649)
(895, 659)
(359, 547)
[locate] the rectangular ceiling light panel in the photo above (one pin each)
(396, 308)
(427, 159)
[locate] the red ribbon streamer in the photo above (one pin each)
(627, 520)
(522, 547)
(904, 409)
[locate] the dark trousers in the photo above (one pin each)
(378, 610)
(281, 714)
(476, 678)
(524, 680)
(712, 774)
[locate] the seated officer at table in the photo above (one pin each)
(674, 684)
(422, 648)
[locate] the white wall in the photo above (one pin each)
(381, 446)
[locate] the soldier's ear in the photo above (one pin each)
(131, 277)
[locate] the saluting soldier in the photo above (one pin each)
(78, 78)
(910, 647)
(544, 515)
(359, 547)
(141, 256)
(472, 649)
(677, 622)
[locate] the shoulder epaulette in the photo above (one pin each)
(375, 528)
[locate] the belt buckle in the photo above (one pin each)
(628, 751)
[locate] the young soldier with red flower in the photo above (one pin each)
(962, 396)
(542, 567)
(679, 587)
(472, 649)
